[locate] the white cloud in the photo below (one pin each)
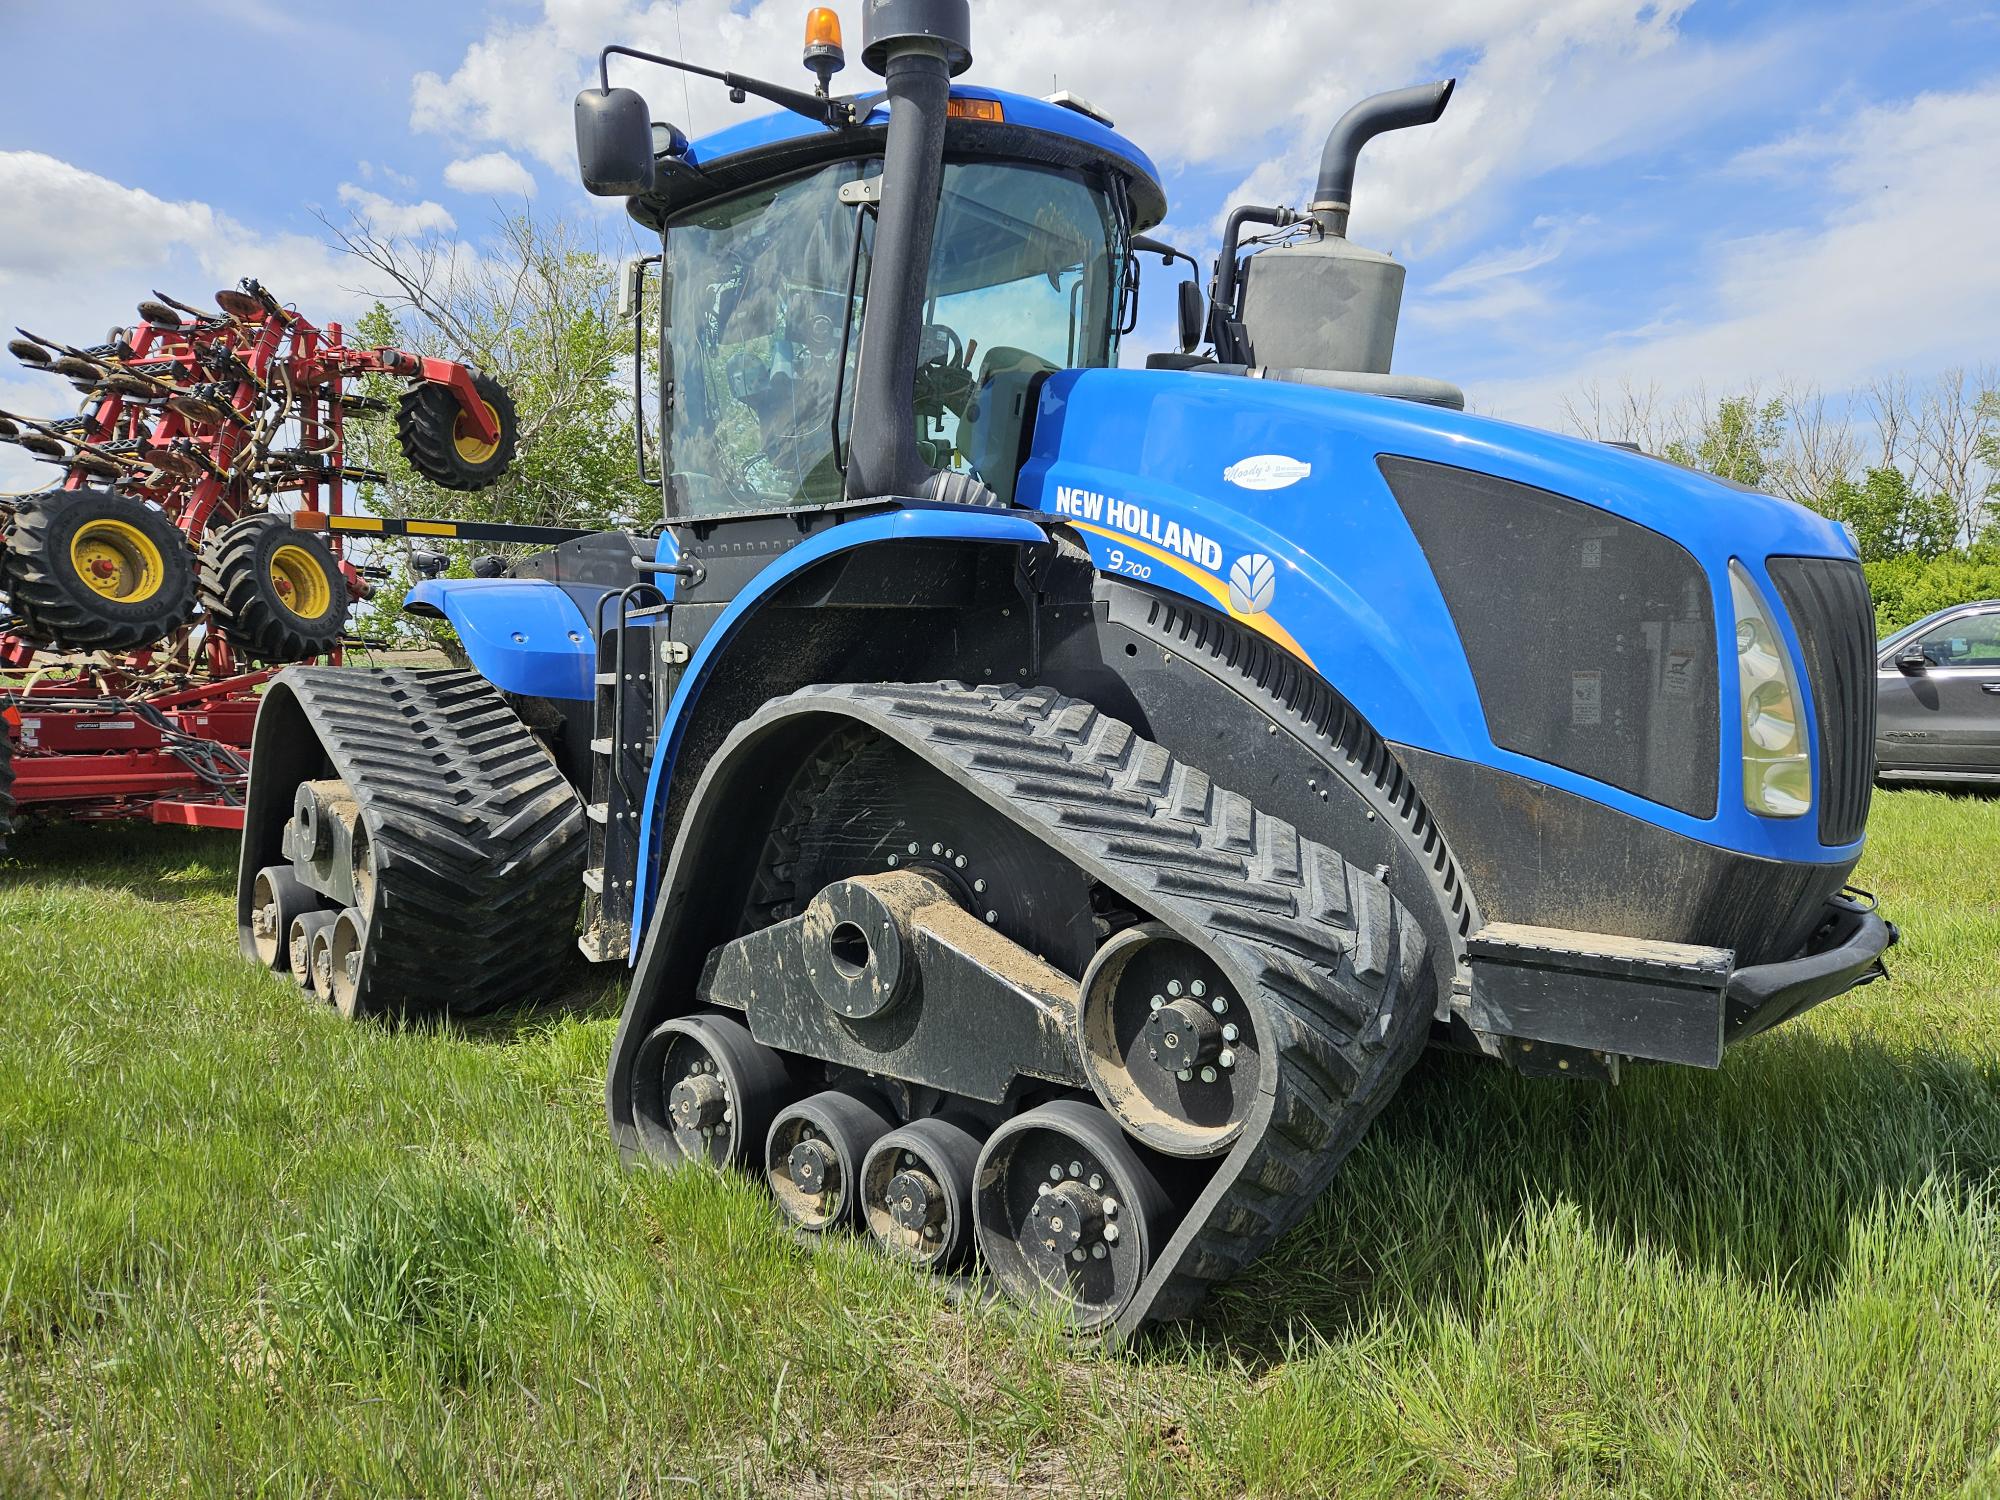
(386, 216)
(1895, 272)
(80, 250)
(494, 174)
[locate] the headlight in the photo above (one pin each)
(1777, 770)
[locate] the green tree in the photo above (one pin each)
(1738, 441)
(536, 309)
(1890, 517)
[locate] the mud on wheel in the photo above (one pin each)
(441, 444)
(276, 592)
(96, 570)
(1124, 1024)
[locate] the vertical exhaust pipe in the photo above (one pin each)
(918, 46)
(1333, 196)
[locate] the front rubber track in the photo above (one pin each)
(478, 841)
(1332, 965)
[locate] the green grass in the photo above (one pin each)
(248, 1249)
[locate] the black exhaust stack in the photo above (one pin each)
(1334, 194)
(918, 46)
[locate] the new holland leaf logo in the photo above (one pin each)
(1266, 471)
(1251, 583)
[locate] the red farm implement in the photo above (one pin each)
(146, 597)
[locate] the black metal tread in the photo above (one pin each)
(1318, 948)
(479, 841)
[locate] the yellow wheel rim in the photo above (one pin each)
(471, 447)
(300, 582)
(117, 560)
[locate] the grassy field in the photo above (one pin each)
(248, 1249)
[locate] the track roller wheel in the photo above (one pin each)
(916, 1192)
(346, 939)
(705, 1090)
(277, 899)
(300, 937)
(813, 1156)
(432, 431)
(1067, 1211)
(1169, 1050)
(97, 570)
(277, 592)
(320, 961)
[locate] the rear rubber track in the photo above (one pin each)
(478, 841)
(1331, 965)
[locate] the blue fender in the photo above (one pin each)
(523, 635)
(951, 521)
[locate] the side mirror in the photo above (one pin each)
(614, 142)
(1193, 314)
(1913, 662)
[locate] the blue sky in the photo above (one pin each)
(1675, 194)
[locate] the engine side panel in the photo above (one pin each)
(1267, 502)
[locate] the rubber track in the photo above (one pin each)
(479, 842)
(256, 624)
(1319, 949)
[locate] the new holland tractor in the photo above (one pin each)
(1048, 805)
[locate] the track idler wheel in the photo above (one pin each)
(435, 437)
(304, 932)
(1167, 1045)
(705, 1090)
(97, 570)
(277, 900)
(1067, 1211)
(916, 1192)
(347, 940)
(813, 1156)
(277, 592)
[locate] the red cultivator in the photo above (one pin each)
(145, 599)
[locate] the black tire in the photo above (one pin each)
(148, 564)
(276, 592)
(428, 429)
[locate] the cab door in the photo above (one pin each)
(1939, 699)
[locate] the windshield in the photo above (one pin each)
(1025, 274)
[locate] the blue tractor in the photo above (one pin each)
(1048, 805)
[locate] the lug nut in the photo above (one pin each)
(1228, 1057)
(1219, 1005)
(1110, 1234)
(1229, 1032)
(1208, 1075)
(1173, 986)
(1186, 1075)
(1110, 1208)
(1098, 1252)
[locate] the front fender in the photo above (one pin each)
(523, 635)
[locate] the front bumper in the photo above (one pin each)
(1845, 951)
(1598, 997)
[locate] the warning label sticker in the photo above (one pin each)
(1586, 698)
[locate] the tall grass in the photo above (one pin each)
(248, 1249)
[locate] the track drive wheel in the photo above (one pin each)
(1067, 1211)
(432, 431)
(277, 592)
(97, 570)
(705, 1090)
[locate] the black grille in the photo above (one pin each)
(1827, 599)
(1591, 639)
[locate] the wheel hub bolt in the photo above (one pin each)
(916, 1202)
(699, 1101)
(808, 1163)
(1181, 1035)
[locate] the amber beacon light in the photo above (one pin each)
(823, 51)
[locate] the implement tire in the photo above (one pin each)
(97, 571)
(276, 592)
(431, 430)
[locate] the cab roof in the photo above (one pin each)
(1031, 129)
